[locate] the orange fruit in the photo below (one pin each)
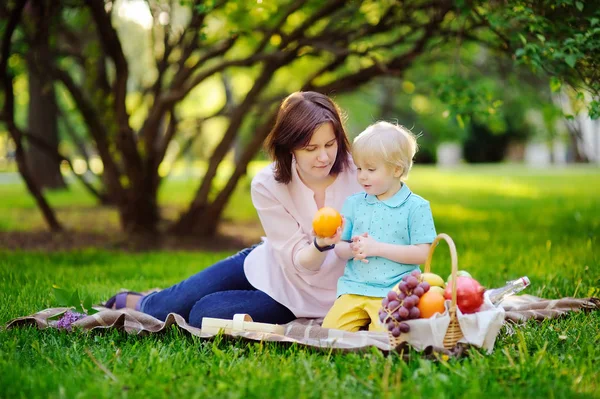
(326, 222)
(430, 303)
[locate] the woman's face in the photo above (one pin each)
(314, 162)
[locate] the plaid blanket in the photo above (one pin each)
(306, 332)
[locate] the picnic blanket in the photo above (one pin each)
(307, 332)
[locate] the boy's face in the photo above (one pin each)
(378, 178)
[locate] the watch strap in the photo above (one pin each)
(323, 249)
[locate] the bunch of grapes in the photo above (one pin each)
(400, 304)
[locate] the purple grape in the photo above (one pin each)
(390, 325)
(418, 291)
(405, 277)
(385, 302)
(401, 296)
(414, 313)
(408, 302)
(412, 282)
(403, 287)
(396, 332)
(415, 273)
(392, 296)
(404, 327)
(425, 285)
(415, 299)
(396, 315)
(403, 313)
(393, 305)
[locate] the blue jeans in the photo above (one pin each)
(219, 291)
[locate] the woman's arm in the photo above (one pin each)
(344, 250)
(311, 258)
(292, 247)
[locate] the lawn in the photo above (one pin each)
(507, 221)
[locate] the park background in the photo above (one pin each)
(130, 130)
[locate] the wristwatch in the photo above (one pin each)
(323, 249)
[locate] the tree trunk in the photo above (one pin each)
(140, 213)
(578, 155)
(42, 119)
(7, 116)
(576, 141)
(42, 124)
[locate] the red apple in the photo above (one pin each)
(469, 294)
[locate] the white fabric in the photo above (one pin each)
(479, 329)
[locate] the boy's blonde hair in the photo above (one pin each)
(394, 144)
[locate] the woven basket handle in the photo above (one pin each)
(454, 258)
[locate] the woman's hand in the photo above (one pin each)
(335, 239)
(363, 246)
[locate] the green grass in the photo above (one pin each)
(506, 221)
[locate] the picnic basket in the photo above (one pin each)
(483, 326)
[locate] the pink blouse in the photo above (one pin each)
(286, 212)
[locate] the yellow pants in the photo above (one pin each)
(351, 312)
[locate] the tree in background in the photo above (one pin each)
(42, 116)
(330, 46)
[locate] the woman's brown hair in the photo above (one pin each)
(300, 114)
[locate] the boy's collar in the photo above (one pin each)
(395, 201)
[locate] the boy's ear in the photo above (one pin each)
(397, 171)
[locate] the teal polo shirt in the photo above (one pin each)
(404, 219)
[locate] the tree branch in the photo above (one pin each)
(201, 197)
(58, 156)
(97, 131)
(218, 205)
(149, 129)
(399, 63)
(236, 121)
(276, 29)
(125, 137)
(328, 9)
(184, 73)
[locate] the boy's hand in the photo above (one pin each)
(363, 246)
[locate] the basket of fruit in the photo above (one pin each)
(421, 312)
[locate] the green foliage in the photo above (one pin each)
(561, 38)
(179, 60)
(466, 99)
(506, 221)
(72, 300)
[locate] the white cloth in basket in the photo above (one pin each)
(479, 329)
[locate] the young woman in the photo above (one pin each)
(291, 273)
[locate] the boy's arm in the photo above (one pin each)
(343, 248)
(421, 232)
(409, 254)
(365, 247)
